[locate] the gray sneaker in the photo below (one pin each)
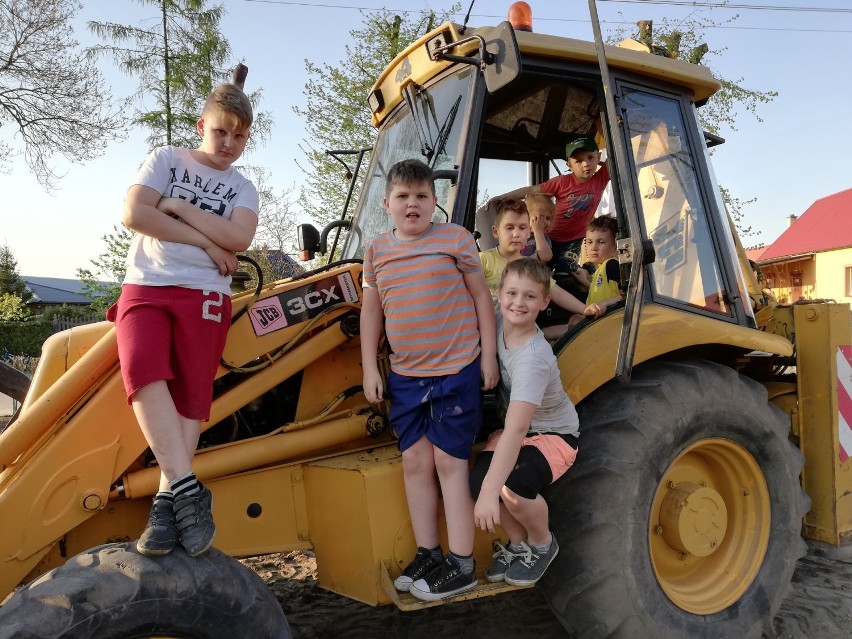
(531, 565)
(160, 535)
(503, 558)
(195, 521)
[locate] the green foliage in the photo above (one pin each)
(13, 308)
(179, 59)
(10, 282)
(103, 284)
(684, 39)
(24, 338)
(336, 115)
(51, 99)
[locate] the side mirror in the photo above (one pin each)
(309, 241)
(505, 63)
(312, 242)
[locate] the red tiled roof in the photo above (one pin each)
(826, 225)
(755, 253)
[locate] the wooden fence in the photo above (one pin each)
(61, 322)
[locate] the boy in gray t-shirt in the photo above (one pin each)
(538, 442)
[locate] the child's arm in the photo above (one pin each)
(596, 309)
(478, 289)
(234, 234)
(563, 298)
(542, 247)
(486, 511)
(142, 215)
(581, 275)
(371, 331)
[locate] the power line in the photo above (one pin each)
(722, 5)
(686, 3)
(675, 3)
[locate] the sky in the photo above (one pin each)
(796, 155)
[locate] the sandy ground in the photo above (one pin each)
(819, 606)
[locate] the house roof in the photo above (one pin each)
(56, 290)
(754, 252)
(826, 225)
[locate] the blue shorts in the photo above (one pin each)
(446, 409)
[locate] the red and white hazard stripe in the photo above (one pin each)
(844, 400)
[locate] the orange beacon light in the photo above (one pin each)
(520, 15)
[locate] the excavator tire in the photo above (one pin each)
(635, 559)
(113, 592)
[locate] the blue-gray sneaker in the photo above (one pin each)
(503, 558)
(531, 565)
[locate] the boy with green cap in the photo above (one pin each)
(577, 194)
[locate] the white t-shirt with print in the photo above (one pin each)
(172, 172)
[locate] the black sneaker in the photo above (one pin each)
(447, 580)
(531, 565)
(160, 535)
(422, 564)
(503, 558)
(195, 521)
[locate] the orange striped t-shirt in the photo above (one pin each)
(430, 318)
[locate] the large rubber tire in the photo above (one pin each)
(113, 592)
(610, 578)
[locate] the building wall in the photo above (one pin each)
(833, 270)
(791, 281)
(825, 275)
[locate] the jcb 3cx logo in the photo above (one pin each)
(302, 304)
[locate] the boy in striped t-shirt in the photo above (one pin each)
(424, 282)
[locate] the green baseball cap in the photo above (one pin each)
(585, 143)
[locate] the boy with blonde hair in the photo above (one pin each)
(423, 281)
(191, 211)
(512, 230)
(542, 211)
(538, 441)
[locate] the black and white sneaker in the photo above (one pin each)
(423, 563)
(447, 580)
(531, 565)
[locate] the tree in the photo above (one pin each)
(13, 308)
(275, 240)
(52, 100)
(336, 114)
(103, 284)
(684, 40)
(10, 281)
(178, 59)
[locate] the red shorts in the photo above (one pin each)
(175, 334)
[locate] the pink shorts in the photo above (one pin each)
(559, 455)
(175, 334)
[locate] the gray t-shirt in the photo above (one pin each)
(172, 172)
(529, 374)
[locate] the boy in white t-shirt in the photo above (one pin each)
(191, 211)
(538, 441)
